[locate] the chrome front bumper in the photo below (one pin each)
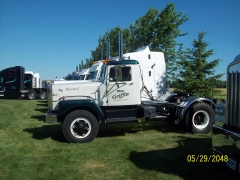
(51, 117)
(226, 142)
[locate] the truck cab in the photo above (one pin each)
(11, 82)
(119, 84)
(85, 75)
(81, 75)
(15, 82)
(226, 130)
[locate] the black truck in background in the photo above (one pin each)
(15, 83)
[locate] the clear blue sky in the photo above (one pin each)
(53, 36)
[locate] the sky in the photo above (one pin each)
(51, 37)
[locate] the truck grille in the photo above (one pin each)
(233, 93)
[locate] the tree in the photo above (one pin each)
(111, 37)
(196, 73)
(159, 31)
(155, 29)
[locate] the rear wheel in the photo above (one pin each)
(80, 126)
(31, 95)
(42, 95)
(199, 118)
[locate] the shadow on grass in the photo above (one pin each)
(122, 129)
(39, 117)
(47, 131)
(174, 161)
(43, 101)
(55, 131)
(43, 104)
(42, 110)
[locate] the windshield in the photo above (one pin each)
(1, 83)
(92, 75)
(67, 77)
(72, 77)
(102, 76)
(81, 77)
(8, 83)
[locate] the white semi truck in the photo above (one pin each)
(127, 89)
(82, 75)
(226, 130)
(85, 75)
(15, 82)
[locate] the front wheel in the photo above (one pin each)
(199, 118)
(80, 126)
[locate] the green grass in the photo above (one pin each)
(221, 94)
(31, 149)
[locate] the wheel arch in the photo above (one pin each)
(199, 117)
(92, 108)
(191, 102)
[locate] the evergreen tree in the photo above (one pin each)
(195, 72)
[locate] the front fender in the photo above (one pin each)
(67, 105)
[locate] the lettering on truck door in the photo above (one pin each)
(120, 88)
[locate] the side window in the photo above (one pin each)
(102, 76)
(126, 74)
(112, 74)
(120, 73)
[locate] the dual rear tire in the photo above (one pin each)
(31, 95)
(199, 118)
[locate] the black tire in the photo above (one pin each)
(80, 126)
(199, 118)
(42, 95)
(31, 95)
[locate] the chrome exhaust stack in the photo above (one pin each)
(108, 50)
(120, 45)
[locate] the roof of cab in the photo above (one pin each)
(123, 62)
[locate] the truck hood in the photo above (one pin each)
(75, 89)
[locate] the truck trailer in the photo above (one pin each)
(128, 88)
(15, 82)
(226, 129)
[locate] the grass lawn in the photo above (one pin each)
(31, 149)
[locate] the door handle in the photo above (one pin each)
(121, 83)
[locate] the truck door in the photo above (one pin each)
(120, 86)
